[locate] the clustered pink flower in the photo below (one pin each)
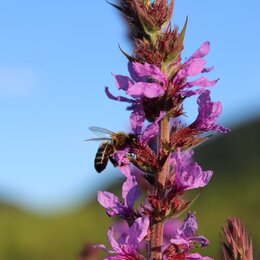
(148, 81)
(125, 209)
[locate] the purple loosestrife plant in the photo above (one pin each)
(156, 160)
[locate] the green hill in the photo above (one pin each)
(235, 187)
(234, 190)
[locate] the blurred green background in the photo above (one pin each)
(233, 191)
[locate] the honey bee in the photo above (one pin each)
(112, 143)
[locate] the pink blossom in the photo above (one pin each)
(193, 67)
(186, 238)
(145, 82)
(113, 205)
(188, 175)
(125, 247)
(208, 114)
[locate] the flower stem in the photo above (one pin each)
(156, 236)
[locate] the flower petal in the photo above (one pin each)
(208, 114)
(122, 161)
(118, 98)
(115, 245)
(110, 202)
(138, 231)
(130, 192)
(201, 82)
(123, 82)
(192, 67)
(206, 70)
(125, 169)
(201, 240)
(144, 89)
(188, 175)
(202, 51)
(137, 119)
(189, 93)
(139, 71)
(190, 226)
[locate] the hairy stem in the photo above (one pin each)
(156, 236)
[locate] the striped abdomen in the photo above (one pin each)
(103, 153)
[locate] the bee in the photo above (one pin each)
(112, 143)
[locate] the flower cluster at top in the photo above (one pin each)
(158, 84)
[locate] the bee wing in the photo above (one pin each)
(99, 139)
(101, 132)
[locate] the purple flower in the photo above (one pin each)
(186, 238)
(187, 233)
(137, 118)
(208, 114)
(192, 67)
(125, 247)
(114, 206)
(149, 81)
(169, 229)
(195, 64)
(188, 175)
(121, 226)
(146, 81)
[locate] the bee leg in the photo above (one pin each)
(113, 161)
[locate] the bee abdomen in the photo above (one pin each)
(102, 156)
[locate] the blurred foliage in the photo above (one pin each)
(233, 191)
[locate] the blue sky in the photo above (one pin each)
(55, 59)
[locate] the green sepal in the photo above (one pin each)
(196, 142)
(182, 34)
(172, 56)
(184, 207)
(168, 64)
